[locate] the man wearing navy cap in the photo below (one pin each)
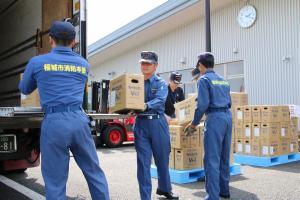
(151, 132)
(175, 94)
(60, 77)
(214, 100)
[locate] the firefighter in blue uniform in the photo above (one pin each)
(60, 77)
(214, 100)
(152, 133)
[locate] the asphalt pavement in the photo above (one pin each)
(119, 165)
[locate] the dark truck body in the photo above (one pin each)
(24, 34)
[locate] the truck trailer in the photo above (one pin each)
(24, 34)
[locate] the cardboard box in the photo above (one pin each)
(270, 114)
(200, 127)
(256, 114)
(173, 122)
(194, 140)
(239, 146)
(190, 158)
(239, 99)
(293, 146)
(284, 113)
(126, 93)
(247, 130)
(239, 132)
(247, 114)
(231, 156)
(185, 110)
(285, 146)
(239, 116)
(32, 100)
(172, 159)
(178, 138)
(270, 148)
(233, 137)
(247, 150)
(293, 131)
(270, 132)
(294, 121)
(255, 147)
(256, 131)
(285, 130)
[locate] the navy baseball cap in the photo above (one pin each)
(176, 77)
(149, 57)
(62, 30)
(207, 59)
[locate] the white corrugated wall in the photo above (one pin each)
(268, 79)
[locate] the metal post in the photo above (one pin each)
(83, 46)
(207, 26)
(83, 35)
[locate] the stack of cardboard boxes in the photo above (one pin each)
(186, 151)
(265, 130)
(237, 99)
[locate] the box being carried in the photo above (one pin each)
(32, 100)
(126, 93)
(185, 110)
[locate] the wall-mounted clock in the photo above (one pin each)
(247, 16)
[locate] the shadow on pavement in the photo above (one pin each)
(126, 148)
(201, 183)
(293, 167)
(23, 179)
(236, 194)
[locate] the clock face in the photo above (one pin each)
(247, 16)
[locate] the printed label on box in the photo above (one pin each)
(265, 150)
(271, 150)
(256, 132)
(291, 147)
(247, 132)
(181, 114)
(240, 148)
(248, 148)
(240, 115)
(112, 101)
(283, 132)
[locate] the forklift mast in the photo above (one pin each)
(100, 96)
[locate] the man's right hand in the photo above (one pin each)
(168, 119)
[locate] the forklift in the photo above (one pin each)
(111, 130)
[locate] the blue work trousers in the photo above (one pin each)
(217, 143)
(152, 137)
(61, 133)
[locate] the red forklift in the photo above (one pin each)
(111, 130)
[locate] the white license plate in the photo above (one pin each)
(8, 143)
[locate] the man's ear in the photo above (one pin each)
(72, 43)
(51, 42)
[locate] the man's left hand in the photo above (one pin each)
(190, 130)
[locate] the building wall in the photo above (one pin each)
(268, 79)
